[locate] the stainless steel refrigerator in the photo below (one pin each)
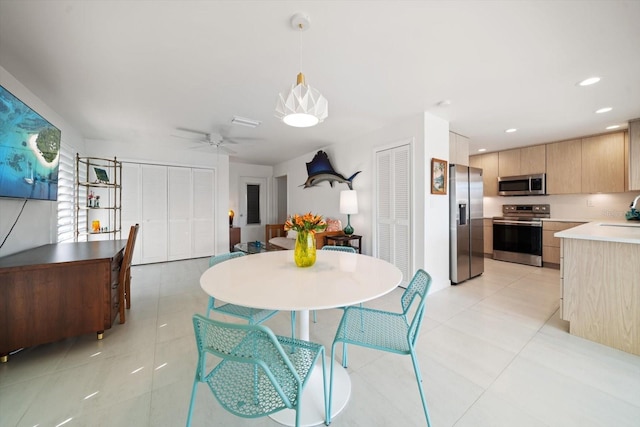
(466, 235)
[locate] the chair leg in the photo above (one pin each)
(210, 305)
(416, 368)
(344, 355)
(193, 400)
(315, 317)
(121, 301)
(127, 290)
(328, 409)
(324, 387)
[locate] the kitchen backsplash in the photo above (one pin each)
(570, 207)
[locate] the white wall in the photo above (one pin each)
(37, 225)
(243, 170)
(431, 213)
(165, 155)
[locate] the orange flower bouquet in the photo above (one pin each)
(306, 226)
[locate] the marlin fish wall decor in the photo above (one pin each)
(319, 169)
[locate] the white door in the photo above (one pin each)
(253, 228)
(204, 208)
(153, 228)
(393, 208)
(179, 206)
(132, 205)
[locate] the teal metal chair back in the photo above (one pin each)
(217, 259)
(386, 331)
(252, 315)
(255, 377)
(339, 249)
(418, 288)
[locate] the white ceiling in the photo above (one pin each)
(134, 71)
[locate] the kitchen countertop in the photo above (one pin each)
(620, 231)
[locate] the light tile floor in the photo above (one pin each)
(493, 352)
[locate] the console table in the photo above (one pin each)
(57, 291)
(342, 240)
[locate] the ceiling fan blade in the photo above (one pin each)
(192, 131)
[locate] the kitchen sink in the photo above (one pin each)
(628, 224)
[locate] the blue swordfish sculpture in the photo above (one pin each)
(319, 169)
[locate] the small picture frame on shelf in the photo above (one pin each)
(101, 175)
(438, 176)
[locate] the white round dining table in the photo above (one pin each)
(271, 280)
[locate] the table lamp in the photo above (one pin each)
(231, 215)
(348, 205)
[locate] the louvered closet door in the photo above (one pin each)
(179, 205)
(393, 219)
(204, 203)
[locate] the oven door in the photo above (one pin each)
(518, 241)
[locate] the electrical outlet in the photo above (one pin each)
(590, 203)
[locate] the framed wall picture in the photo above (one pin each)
(438, 176)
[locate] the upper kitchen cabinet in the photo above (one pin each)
(522, 161)
(634, 154)
(458, 149)
(603, 163)
(564, 167)
(488, 162)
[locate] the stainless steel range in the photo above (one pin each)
(517, 234)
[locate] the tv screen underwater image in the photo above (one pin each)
(29, 151)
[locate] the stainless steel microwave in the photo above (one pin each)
(522, 185)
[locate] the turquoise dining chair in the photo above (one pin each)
(339, 249)
(386, 331)
(253, 315)
(347, 249)
(255, 377)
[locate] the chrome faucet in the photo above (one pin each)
(635, 202)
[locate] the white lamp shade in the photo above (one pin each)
(348, 202)
(302, 106)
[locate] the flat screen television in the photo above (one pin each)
(29, 151)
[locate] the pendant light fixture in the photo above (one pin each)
(303, 106)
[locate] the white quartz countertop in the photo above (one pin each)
(620, 231)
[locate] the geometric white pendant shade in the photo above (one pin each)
(302, 106)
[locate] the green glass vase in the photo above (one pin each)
(304, 253)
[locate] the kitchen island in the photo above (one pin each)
(600, 282)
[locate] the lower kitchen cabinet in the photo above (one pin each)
(551, 244)
(488, 237)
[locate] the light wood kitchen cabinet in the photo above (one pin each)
(509, 162)
(634, 154)
(487, 225)
(564, 167)
(603, 163)
(458, 149)
(533, 159)
(551, 244)
(522, 161)
(488, 162)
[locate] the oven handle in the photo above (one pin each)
(518, 223)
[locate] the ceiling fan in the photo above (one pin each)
(208, 139)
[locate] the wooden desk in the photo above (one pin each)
(58, 291)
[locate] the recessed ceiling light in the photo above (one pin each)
(482, 150)
(612, 127)
(589, 81)
(511, 130)
(604, 110)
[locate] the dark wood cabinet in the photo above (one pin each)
(234, 237)
(58, 291)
